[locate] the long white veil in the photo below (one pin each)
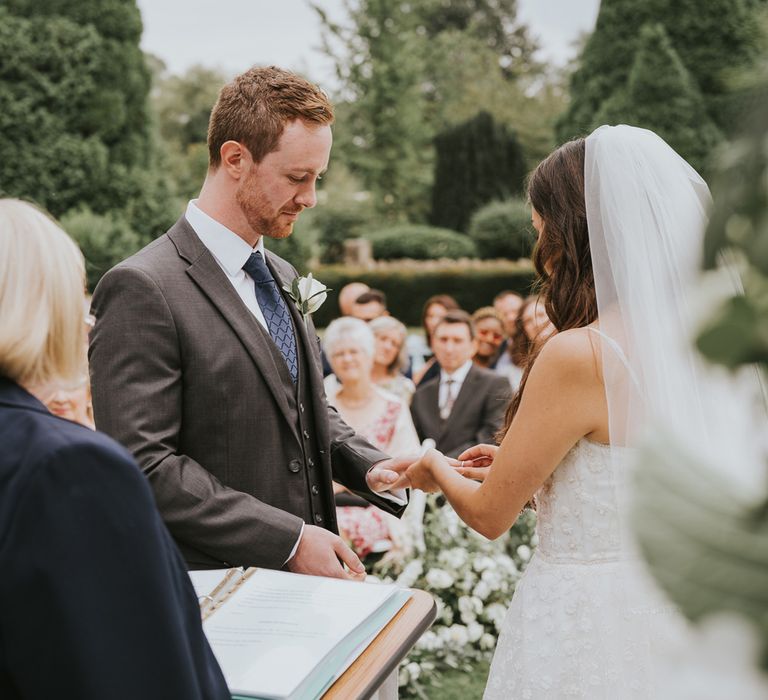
(646, 213)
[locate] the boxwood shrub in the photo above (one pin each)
(419, 242)
(503, 230)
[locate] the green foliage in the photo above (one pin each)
(295, 249)
(74, 127)
(738, 333)
(182, 107)
(476, 162)
(334, 226)
(712, 39)
(420, 243)
(408, 286)
(104, 239)
(412, 70)
(503, 230)
(703, 537)
(384, 109)
(661, 95)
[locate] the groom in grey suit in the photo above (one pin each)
(205, 368)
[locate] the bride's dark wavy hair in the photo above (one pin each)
(562, 257)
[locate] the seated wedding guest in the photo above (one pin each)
(390, 357)
(534, 322)
(507, 305)
(95, 601)
(434, 309)
(348, 295)
(465, 404)
(532, 328)
(489, 335)
(72, 400)
(370, 305)
(378, 415)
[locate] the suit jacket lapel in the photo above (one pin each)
(466, 390)
(206, 273)
(431, 415)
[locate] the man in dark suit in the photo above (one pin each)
(465, 405)
(204, 367)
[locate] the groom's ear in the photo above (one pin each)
(235, 159)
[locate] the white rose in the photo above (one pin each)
(307, 293)
(487, 641)
(438, 578)
(474, 631)
(411, 572)
(458, 635)
(482, 590)
(481, 563)
(414, 670)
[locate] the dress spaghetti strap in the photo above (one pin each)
(619, 353)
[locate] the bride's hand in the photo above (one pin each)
(420, 473)
(475, 463)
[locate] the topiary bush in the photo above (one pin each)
(105, 240)
(503, 230)
(419, 242)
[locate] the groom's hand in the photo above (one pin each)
(389, 474)
(321, 553)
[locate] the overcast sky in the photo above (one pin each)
(236, 34)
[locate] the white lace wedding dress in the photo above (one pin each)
(584, 621)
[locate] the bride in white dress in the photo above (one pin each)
(620, 220)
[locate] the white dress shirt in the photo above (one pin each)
(457, 376)
(231, 252)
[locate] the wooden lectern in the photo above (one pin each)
(386, 651)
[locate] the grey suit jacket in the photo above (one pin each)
(186, 378)
(477, 414)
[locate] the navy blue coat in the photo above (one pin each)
(95, 601)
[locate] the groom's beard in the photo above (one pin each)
(260, 213)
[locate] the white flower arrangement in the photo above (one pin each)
(472, 580)
(307, 293)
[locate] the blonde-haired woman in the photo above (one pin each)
(390, 357)
(94, 597)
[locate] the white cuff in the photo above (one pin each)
(296, 546)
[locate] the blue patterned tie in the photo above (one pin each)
(275, 311)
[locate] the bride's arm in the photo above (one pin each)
(563, 401)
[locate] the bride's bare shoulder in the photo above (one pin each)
(574, 353)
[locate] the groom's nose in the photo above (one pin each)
(306, 196)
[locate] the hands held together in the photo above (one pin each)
(473, 463)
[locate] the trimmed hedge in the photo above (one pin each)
(295, 249)
(409, 286)
(503, 230)
(419, 242)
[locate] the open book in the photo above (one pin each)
(278, 635)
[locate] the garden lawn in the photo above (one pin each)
(461, 685)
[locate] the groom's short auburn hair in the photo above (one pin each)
(254, 108)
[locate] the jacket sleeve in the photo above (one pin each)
(497, 397)
(137, 384)
(112, 612)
